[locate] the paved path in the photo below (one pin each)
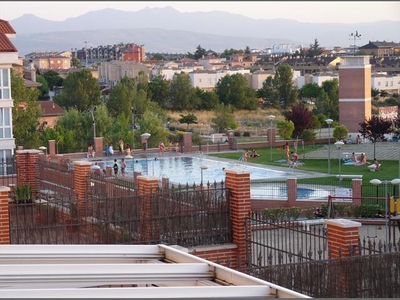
(384, 151)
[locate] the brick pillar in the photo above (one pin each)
(342, 234)
(4, 216)
(165, 184)
(135, 179)
(146, 186)
(82, 185)
(291, 187)
(187, 142)
(26, 165)
(231, 139)
(98, 146)
(357, 191)
(239, 184)
(52, 147)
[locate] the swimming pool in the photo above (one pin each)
(186, 170)
(279, 192)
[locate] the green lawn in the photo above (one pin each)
(389, 168)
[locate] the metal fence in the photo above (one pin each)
(8, 172)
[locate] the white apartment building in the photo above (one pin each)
(8, 57)
(384, 82)
(207, 79)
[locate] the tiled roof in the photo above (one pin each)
(5, 44)
(30, 83)
(50, 108)
(6, 28)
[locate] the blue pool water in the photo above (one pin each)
(183, 169)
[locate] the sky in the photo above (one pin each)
(349, 12)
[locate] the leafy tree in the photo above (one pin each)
(247, 50)
(301, 117)
(181, 92)
(207, 99)
(200, 52)
(188, 119)
(76, 63)
(158, 56)
(340, 132)
(153, 124)
(25, 113)
(142, 81)
(269, 93)
(44, 89)
(375, 129)
(159, 90)
(375, 93)
(223, 118)
(310, 91)
(285, 129)
(314, 50)
(309, 135)
(120, 99)
(331, 88)
(53, 79)
(283, 82)
(234, 90)
(81, 91)
(227, 53)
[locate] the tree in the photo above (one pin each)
(200, 52)
(159, 90)
(283, 82)
(207, 99)
(340, 132)
(285, 129)
(120, 99)
(188, 119)
(25, 113)
(53, 79)
(269, 93)
(80, 91)
(314, 50)
(375, 129)
(181, 92)
(76, 63)
(234, 90)
(223, 118)
(301, 117)
(310, 91)
(44, 89)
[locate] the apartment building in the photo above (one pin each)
(8, 57)
(51, 62)
(113, 71)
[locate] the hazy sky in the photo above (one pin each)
(303, 11)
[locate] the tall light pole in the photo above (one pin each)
(355, 36)
(86, 53)
(202, 168)
(339, 145)
(270, 117)
(94, 123)
(329, 122)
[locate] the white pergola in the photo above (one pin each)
(123, 271)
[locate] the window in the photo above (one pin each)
(5, 123)
(5, 84)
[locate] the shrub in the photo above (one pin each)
(236, 133)
(246, 133)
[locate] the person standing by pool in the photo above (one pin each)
(161, 146)
(111, 149)
(115, 167)
(123, 166)
(286, 147)
(121, 146)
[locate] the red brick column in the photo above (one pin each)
(135, 179)
(239, 184)
(52, 147)
(291, 187)
(146, 186)
(342, 233)
(4, 216)
(82, 185)
(357, 188)
(98, 146)
(26, 165)
(187, 142)
(231, 139)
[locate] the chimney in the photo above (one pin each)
(33, 70)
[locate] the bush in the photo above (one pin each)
(246, 133)
(236, 133)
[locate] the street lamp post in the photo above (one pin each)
(270, 117)
(202, 168)
(329, 122)
(94, 123)
(43, 148)
(339, 145)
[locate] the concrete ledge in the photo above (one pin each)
(348, 176)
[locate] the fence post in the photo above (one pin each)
(26, 166)
(238, 182)
(4, 215)
(357, 191)
(291, 186)
(147, 185)
(82, 184)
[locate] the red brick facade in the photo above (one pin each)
(4, 216)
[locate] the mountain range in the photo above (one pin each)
(170, 31)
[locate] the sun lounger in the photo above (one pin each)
(372, 167)
(349, 176)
